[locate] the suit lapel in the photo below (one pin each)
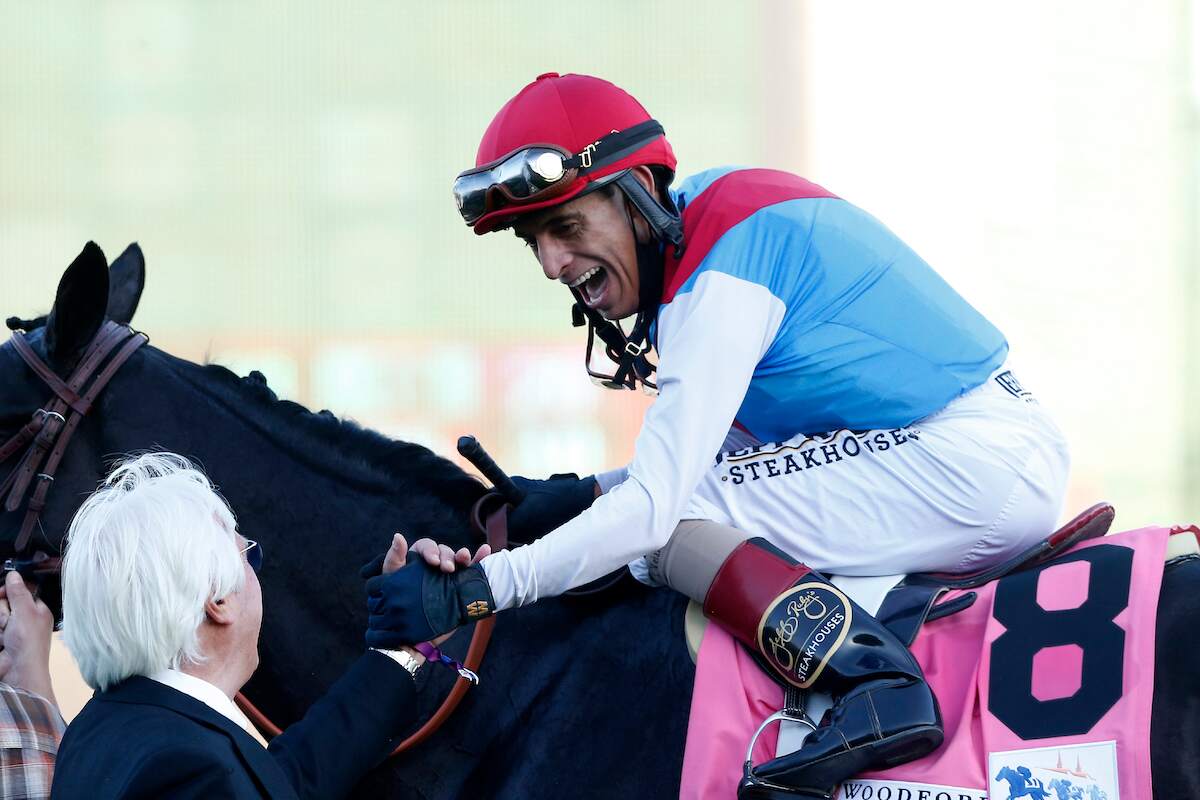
(261, 765)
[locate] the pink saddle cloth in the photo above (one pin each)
(732, 695)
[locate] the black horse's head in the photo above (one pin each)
(89, 293)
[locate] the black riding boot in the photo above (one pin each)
(813, 636)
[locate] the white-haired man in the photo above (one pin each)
(162, 609)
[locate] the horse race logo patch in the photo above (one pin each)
(1070, 772)
(802, 628)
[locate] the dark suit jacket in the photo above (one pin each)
(142, 739)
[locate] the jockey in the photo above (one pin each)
(825, 402)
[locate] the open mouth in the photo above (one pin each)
(592, 285)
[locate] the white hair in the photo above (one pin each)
(144, 554)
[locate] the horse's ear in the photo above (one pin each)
(126, 279)
(79, 306)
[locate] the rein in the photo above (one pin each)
(48, 433)
(489, 517)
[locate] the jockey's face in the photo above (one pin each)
(589, 243)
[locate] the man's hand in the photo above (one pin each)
(416, 595)
(549, 504)
(26, 625)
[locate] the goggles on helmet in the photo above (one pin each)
(540, 172)
(528, 175)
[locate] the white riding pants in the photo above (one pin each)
(960, 490)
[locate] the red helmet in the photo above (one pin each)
(570, 113)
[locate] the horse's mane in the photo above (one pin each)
(325, 441)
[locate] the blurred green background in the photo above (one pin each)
(286, 166)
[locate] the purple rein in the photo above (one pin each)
(433, 654)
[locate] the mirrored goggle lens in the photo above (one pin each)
(523, 177)
(470, 195)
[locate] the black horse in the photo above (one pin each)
(581, 697)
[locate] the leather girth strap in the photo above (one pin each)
(489, 517)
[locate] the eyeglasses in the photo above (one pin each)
(254, 554)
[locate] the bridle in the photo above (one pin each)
(46, 436)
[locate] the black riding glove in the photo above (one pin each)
(549, 504)
(418, 602)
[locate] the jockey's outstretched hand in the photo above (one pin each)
(421, 600)
(549, 503)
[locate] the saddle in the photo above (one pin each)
(911, 602)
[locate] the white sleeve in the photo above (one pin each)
(613, 477)
(711, 339)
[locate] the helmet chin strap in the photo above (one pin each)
(629, 352)
(665, 223)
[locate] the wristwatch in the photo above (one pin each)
(403, 658)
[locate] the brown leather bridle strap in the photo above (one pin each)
(19, 479)
(475, 652)
(496, 530)
(22, 437)
(107, 337)
(38, 501)
(480, 638)
(67, 398)
(56, 384)
(494, 511)
(51, 428)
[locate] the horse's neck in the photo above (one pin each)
(276, 450)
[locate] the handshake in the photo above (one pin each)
(416, 594)
(419, 593)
